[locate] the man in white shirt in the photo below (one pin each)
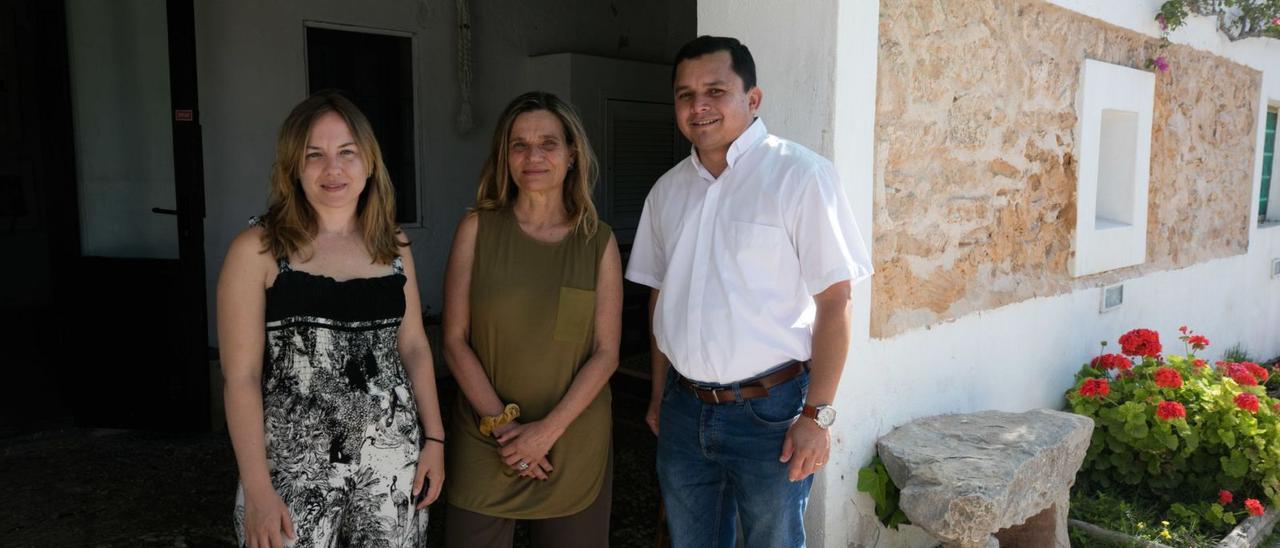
(750, 248)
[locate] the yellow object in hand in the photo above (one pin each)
(489, 424)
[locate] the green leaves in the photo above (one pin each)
(1217, 514)
(1236, 465)
(1136, 430)
(1237, 19)
(1228, 437)
(1165, 436)
(874, 480)
(1190, 439)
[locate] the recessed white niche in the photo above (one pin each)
(1114, 106)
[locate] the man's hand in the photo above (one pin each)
(651, 416)
(806, 447)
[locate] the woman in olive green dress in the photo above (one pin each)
(532, 319)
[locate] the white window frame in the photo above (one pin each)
(1100, 245)
(1272, 219)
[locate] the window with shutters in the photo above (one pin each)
(1267, 214)
(643, 144)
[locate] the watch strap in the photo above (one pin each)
(817, 414)
(809, 411)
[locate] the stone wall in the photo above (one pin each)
(975, 174)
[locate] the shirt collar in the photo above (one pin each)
(754, 133)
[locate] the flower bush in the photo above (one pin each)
(1237, 19)
(1170, 426)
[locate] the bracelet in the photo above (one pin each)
(437, 440)
(489, 424)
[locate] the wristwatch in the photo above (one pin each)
(824, 415)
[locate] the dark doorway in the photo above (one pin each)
(643, 143)
(122, 167)
(26, 290)
(375, 71)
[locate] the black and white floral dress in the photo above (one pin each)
(342, 434)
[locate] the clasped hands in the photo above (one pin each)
(524, 447)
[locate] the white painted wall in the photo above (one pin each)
(793, 43)
(252, 71)
(1013, 358)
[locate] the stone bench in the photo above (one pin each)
(990, 478)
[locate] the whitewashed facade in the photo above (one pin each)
(1014, 357)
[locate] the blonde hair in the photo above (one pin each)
(290, 222)
(498, 190)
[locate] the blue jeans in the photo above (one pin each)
(720, 461)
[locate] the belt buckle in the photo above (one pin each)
(715, 395)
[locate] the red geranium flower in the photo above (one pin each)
(1140, 342)
(1111, 361)
(1169, 410)
(1183, 330)
(1239, 373)
(1199, 363)
(1198, 342)
(1259, 372)
(1225, 497)
(1247, 401)
(1095, 388)
(1254, 507)
(1167, 377)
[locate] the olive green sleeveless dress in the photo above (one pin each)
(532, 312)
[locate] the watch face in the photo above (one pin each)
(826, 416)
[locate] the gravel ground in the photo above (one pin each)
(127, 488)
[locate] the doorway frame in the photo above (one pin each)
(419, 158)
(62, 204)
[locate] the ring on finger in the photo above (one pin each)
(524, 465)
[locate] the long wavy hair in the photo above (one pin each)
(290, 222)
(498, 190)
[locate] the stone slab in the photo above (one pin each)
(966, 477)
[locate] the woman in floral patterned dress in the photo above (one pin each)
(330, 396)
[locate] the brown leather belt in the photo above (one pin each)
(758, 388)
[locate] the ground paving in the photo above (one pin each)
(69, 486)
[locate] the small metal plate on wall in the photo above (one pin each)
(1112, 297)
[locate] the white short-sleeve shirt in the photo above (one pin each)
(739, 257)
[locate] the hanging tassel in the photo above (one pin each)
(464, 122)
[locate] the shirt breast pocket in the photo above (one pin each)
(574, 314)
(757, 252)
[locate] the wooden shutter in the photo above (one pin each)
(642, 145)
(1268, 163)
